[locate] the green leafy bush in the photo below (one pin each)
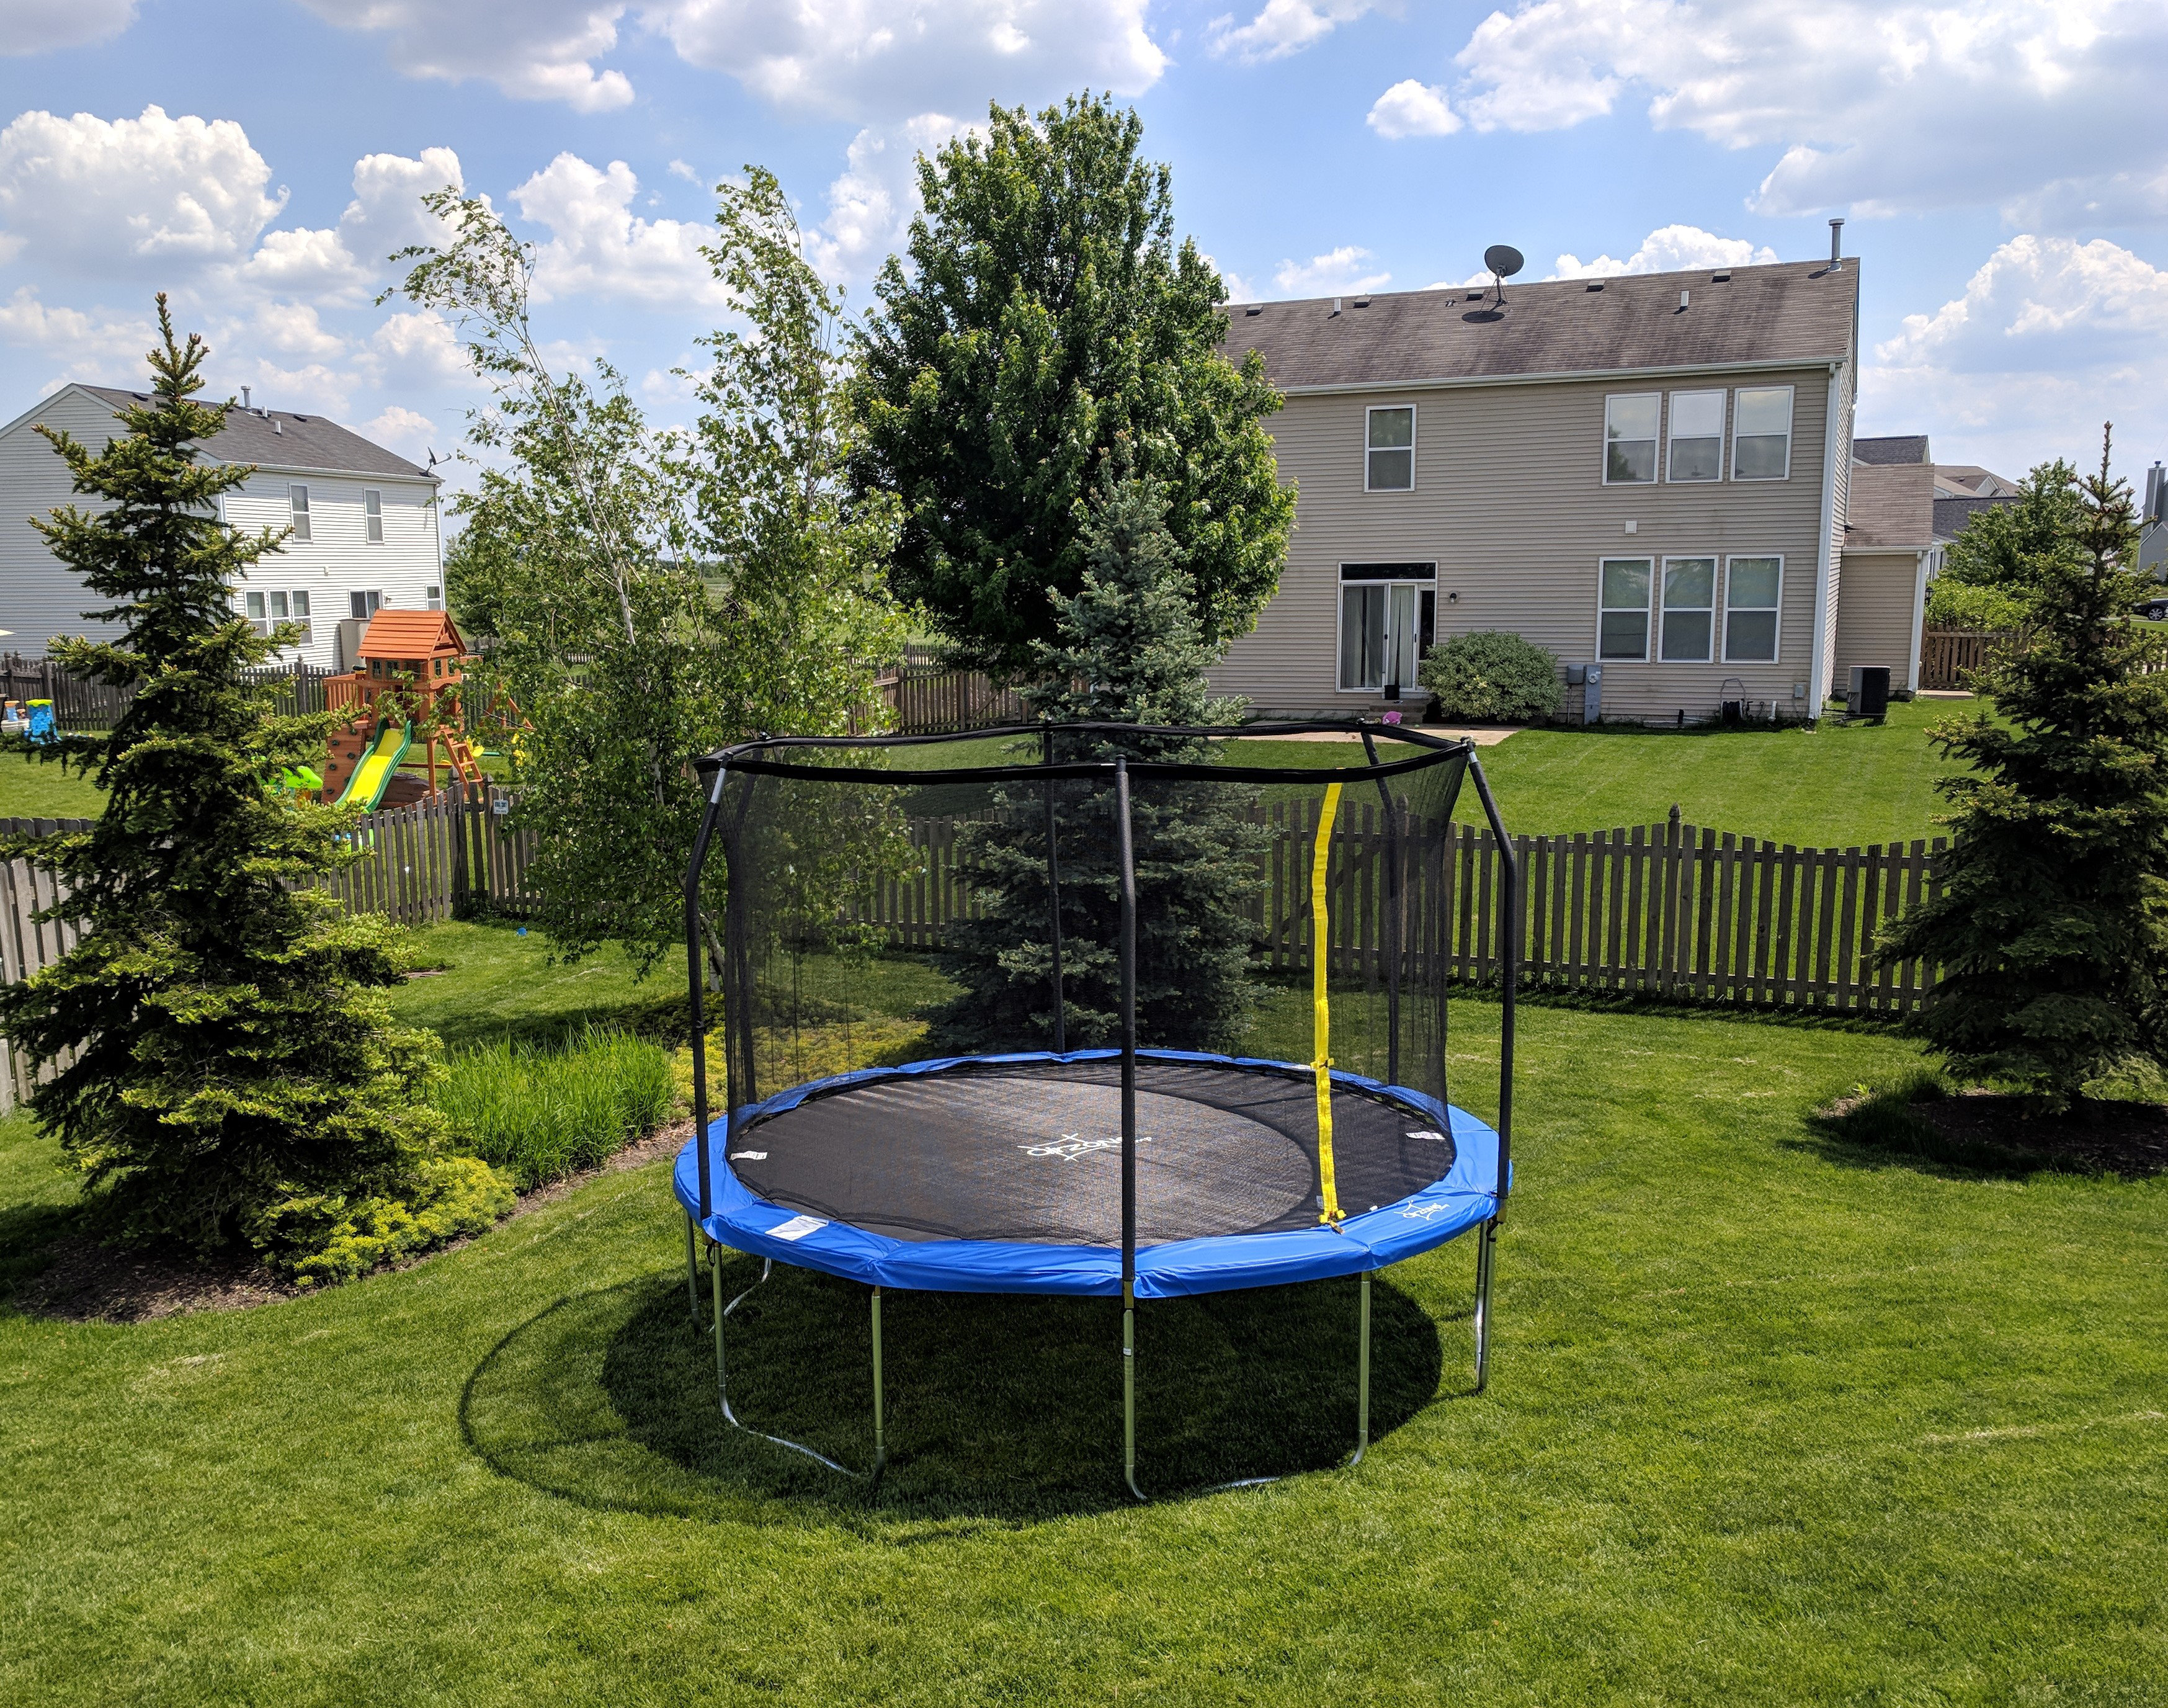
(318, 1237)
(540, 1114)
(1492, 678)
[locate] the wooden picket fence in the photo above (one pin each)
(87, 706)
(1672, 912)
(1949, 657)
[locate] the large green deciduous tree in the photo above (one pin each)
(1988, 569)
(1042, 331)
(643, 597)
(2051, 929)
(224, 1069)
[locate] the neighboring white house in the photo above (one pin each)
(365, 524)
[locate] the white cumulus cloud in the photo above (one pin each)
(871, 205)
(39, 26)
(407, 431)
(2050, 339)
(536, 51)
(1338, 273)
(1669, 249)
(1879, 105)
(90, 196)
(599, 247)
(1284, 27)
(883, 60)
(1412, 108)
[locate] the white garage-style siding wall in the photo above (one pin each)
(1510, 501)
(337, 560)
(38, 599)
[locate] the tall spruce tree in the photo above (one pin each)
(1127, 650)
(1046, 331)
(222, 1067)
(2051, 930)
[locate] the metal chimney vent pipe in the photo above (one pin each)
(244, 397)
(1836, 246)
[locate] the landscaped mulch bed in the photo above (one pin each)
(87, 1282)
(1993, 1130)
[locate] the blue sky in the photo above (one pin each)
(2003, 164)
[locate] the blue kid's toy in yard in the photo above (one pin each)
(41, 721)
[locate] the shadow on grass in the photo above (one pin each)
(27, 1233)
(1006, 1409)
(1917, 1124)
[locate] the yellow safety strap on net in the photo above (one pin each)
(1320, 1006)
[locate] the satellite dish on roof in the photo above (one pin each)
(1503, 259)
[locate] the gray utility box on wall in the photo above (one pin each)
(1585, 707)
(1867, 694)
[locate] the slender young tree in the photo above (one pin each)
(2051, 930)
(223, 1067)
(648, 597)
(1041, 331)
(1127, 651)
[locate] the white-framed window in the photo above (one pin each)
(1689, 609)
(372, 516)
(1621, 618)
(363, 604)
(1762, 432)
(1388, 619)
(298, 497)
(1389, 455)
(1630, 420)
(1696, 452)
(1752, 586)
(433, 599)
(272, 606)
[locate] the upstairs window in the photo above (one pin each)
(1390, 461)
(433, 599)
(1751, 587)
(1621, 623)
(1630, 437)
(298, 496)
(360, 604)
(1762, 432)
(372, 516)
(1697, 449)
(1689, 608)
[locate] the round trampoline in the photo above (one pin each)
(1078, 885)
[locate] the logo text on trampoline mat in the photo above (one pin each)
(1071, 1147)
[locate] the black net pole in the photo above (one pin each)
(696, 975)
(1054, 898)
(1509, 902)
(1392, 932)
(1129, 953)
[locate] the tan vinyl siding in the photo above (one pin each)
(1874, 622)
(1509, 501)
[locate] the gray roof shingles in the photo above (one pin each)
(1895, 449)
(301, 441)
(1795, 311)
(1950, 514)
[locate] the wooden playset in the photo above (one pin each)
(390, 754)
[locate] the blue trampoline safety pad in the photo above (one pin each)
(1279, 1251)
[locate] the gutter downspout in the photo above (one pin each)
(1919, 619)
(1818, 665)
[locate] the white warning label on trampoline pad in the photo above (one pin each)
(798, 1227)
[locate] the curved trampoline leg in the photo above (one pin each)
(1362, 1379)
(1129, 1391)
(1486, 1239)
(722, 1380)
(692, 1270)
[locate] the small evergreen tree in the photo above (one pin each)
(223, 1069)
(1127, 650)
(2051, 930)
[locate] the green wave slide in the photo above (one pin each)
(373, 775)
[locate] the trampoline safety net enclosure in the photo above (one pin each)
(1120, 1101)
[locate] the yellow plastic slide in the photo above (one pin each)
(366, 787)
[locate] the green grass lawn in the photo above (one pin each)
(1770, 1420)
(30, 789)
(1831, 787)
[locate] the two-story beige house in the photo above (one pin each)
(1647, 473)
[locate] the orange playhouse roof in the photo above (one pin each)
(412, 635)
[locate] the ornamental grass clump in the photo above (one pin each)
(216, 1052)
(1492, 678)
(540, 1114)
